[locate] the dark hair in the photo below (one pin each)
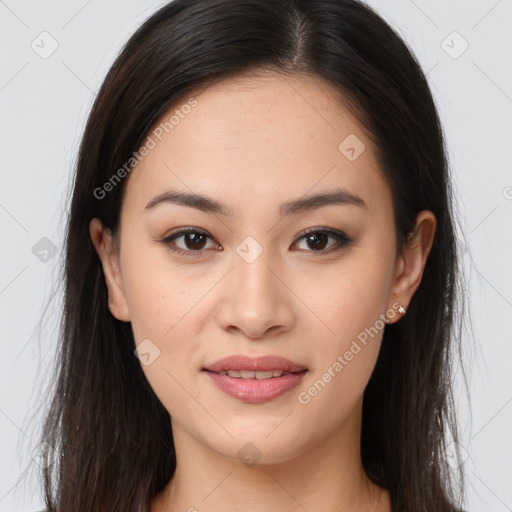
(112, 437)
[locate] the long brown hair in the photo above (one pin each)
(111, 438)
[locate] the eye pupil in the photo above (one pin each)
(195, 238)
(318, 244)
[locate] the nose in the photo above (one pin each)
(255, 299)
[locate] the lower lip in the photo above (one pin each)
(256, 391)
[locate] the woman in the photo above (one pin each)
(261, 272)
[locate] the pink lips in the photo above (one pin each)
(263, 363)
(256, 390)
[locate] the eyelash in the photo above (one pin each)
(341, 238)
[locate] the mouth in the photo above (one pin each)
(255, 380)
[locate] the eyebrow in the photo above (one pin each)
(208, 205)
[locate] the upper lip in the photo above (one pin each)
(263, 363)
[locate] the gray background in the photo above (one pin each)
(44, 103)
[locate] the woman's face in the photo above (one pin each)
(253, 283)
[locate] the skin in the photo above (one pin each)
(253, 143)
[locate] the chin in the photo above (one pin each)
(259, 443)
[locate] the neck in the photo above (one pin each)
(328, 476)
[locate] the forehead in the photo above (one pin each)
(258, 138)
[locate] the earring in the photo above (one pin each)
(401, 310)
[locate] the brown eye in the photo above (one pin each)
(317, 239)
(194, 241)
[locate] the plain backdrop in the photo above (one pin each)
(54, 58)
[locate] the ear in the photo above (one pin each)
(103, 243)
(411, 262)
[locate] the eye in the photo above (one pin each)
(195, 240)
(317, 238)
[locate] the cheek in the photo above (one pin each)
(160, 296)
(162, 310)
(334, 394)
(349, 303)
(341, 373)
(166, 306)
(346, 298)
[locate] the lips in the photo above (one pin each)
(242, 363)
(255, 380)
